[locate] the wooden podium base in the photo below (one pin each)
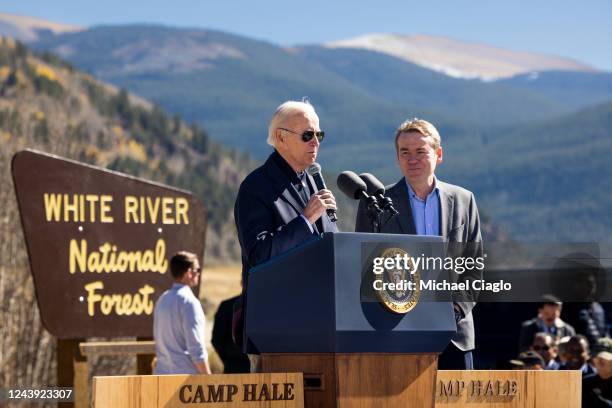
(361, 380)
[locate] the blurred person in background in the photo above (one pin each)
(597, 388)
(587, 282)
(576, 355)
(179, 323)
(528, 360)
(548, 321)
(544, 345)
(234, 360)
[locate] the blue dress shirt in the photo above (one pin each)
(178, 329)
(425, 213)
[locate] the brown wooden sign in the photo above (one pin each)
(508, 388)
(99, 243)
(284, 390)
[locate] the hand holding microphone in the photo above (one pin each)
(322, 201)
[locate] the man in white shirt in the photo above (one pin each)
(179, 322)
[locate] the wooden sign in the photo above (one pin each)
(274, 390)
(99, 243)
(508, 388)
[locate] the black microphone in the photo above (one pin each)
(315, 171)
(376, 188)
(351, 185)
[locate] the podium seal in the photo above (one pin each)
(400, 284)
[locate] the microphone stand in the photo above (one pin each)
(374, 213)
(388, 208)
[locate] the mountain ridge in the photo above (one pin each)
(457, 58)
(451, 56)
(27, 28)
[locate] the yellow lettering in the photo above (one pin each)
(77, 255)
(108, 259)
(131, 206)
(92, 199)
(147, 290)
(123, 260)
(105, 208)
(126, 305)
(120, 304)
(161, 263)
(167, 210)
(135, 261)
(153, 206)
(106, 307)
(93, 297)
(143, 217)
(71, 207)
(103, 261)
(81, 208)
(147, 260)
(182, 210)
(93, 262)
(53, 206)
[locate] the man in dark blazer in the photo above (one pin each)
(547, 321)
(428, 206)
(234, 360)
(278, 205)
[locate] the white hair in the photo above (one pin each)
(283, 113)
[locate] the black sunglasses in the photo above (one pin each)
(538, 348)
(308, 134)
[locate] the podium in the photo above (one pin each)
(306, 312)
(455, 389)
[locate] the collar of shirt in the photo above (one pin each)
(295, 178)
(412, 194)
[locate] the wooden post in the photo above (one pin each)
(72, 372)
(366, 380)
(144, 362)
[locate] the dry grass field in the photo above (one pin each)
(219, 282)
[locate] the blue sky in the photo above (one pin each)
(580, 30)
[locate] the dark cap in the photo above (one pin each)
(529, 358)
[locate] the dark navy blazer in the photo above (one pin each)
(267, 214)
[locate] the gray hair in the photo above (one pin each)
(283, 113)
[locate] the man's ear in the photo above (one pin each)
(439, 154)
(278, 135)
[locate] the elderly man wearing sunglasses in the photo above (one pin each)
(278, 205)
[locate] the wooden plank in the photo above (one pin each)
(386, 380)
(507, 389)
(167, 391)
(117, 347)
(319, 374)
(556, 388)
(125, 391)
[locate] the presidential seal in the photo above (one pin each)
(399, 290)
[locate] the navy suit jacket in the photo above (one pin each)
(459, 222)
(267, 215)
